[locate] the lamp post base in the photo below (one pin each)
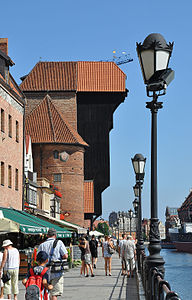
(154, 260)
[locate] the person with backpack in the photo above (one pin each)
(93, 244)
(56, 253)
(37, 280)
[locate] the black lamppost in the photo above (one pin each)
(123, 223)
(154, 55)
(139, 167)
(118, 227)
(130, 217)
(135, 206)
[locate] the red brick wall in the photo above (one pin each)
(72, 176)
(65, 102)
(11, 153)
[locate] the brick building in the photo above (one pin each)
(11, 134)
(86, 94)
(185, 211)
(58, 155)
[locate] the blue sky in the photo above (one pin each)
(91, 30)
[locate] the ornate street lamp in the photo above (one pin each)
(154, 55)
(130, 217)
(139, 167)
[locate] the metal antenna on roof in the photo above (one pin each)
(124, 58)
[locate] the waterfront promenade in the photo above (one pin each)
(100, 287)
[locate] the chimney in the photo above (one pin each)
(4, 45)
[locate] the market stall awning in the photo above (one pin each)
(67, 225)
(7, 225)
(30, 224)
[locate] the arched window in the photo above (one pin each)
(56, 154)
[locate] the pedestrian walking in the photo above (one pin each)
(10, 264)
(93, 244)
(107, 244)
(129, 253)
(1, 282)
(56, 252)
(82, 249)
(120, 248)
(87, 258)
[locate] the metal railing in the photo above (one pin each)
(160, 288)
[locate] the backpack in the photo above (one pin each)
(34, 286)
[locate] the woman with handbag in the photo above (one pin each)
(10, 266)
(107, 254)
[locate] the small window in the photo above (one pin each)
(17, 131)
(57, 177)
(10, 125)
(2, 172)
(2, 120)
(16, 179)
(56, 154)
(9, 176)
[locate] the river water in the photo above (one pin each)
(178, 272)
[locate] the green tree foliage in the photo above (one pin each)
(103, 228)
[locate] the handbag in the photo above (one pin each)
(110, 249)
(6, 275)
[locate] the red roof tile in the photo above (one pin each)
(88, 197)
(45, 124)
(82, 76)
(51, 76)
(100, 77)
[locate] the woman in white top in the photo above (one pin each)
(1, 282)
(107, 256)
(10, 263)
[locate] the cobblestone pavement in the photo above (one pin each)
(100, 287)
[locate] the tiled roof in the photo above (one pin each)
(88, 197)
(45, 124)
(51, 76)
(82, 76)
(187, 202)
(99, 77)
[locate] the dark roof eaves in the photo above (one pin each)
(47, 91)
(63, 143)
(7, 58)
(7, 86)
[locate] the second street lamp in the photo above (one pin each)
(139, 167)
(130, 217)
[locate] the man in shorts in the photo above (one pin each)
(60, 252)
(129, 253)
